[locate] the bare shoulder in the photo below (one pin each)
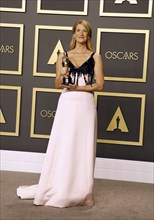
(97, 57)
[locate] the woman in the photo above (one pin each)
(68, 170)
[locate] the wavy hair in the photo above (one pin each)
(87, 25)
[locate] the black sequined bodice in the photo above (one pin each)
(86, 70)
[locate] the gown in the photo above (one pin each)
(67, 175)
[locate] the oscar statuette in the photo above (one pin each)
(65, 64)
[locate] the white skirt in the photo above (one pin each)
(68, 171)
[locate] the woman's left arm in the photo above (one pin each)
(99, 76)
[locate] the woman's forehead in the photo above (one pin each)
(80, 26)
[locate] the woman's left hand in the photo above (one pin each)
(72, 87)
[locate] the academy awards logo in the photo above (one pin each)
(48, 41)
(122, 117)
(2, 119)
(133, 2)
(11, 48)
(10, 119)
(128, 58)
(120, 55)
(53, 57)
(43, 111)
(118, 122)
(47, 113)
(7, 49)
(126, 8)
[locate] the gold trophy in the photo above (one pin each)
(65, 64)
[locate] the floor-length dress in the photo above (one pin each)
(68, 171)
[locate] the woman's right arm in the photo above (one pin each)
(59, 77)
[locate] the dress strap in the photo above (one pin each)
(92, 54)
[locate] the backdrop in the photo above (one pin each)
(33, 31)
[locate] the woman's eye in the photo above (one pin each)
(78, 30)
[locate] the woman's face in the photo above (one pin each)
(81, 34)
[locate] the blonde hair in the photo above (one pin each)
(87, 25)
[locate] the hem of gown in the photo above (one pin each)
(88, 204)
(88, 201)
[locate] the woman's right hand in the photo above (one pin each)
(64, 71)
(61, 72)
